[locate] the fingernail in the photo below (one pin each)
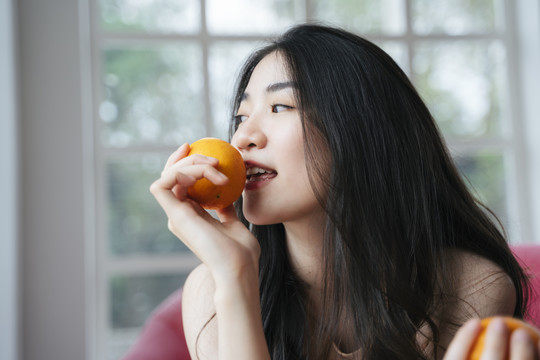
(498, 326)
(521, 336)
(179, 149)
(472, 323)
(212, 160)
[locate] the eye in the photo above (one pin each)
(240, 118)
(277, 108)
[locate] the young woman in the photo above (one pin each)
(356, 237)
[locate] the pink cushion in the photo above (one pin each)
(162, 337)
(529, 258)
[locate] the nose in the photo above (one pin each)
(248, 135)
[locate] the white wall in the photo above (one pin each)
(8, 186)
(51, 182)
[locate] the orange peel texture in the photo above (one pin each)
(231, 164)
(511, 323)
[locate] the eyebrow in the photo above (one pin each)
(280, 86)
(273, 88)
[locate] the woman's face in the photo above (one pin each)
(270, 140)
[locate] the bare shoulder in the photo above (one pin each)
(484, 287)
(479, 288)
(198, 314)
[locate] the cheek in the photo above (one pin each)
(291, 145)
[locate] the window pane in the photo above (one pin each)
(118, 342)
(251, 17)
(457, 16)
(224, 62)
(398, 52)
(364, 16)
(152, 95)
(132, 299)
(163, 16)
(464, 84)
(136, 223)
(484, 172)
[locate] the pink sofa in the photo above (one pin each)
(162, 337)
(529, 258)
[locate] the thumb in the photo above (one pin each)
(228, 214)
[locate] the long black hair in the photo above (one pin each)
(395, 205)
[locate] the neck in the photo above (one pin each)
(304, 245)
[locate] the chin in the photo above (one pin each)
(258, 220)
(258, 215)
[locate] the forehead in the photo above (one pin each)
(270, 70)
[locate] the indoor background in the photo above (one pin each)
(96, 93)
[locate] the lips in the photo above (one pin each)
(258, 175)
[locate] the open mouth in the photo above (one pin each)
(259, 174)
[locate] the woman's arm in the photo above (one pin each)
(204, 309)
(230, 255)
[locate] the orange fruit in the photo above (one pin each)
(511, 323)
(231, 164)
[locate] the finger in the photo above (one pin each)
(463, 340)
(179, 153)
(496, 340)
(227, 215)
(179, 159)
(183, 162)
(179, 192)
(191, 160)
(195, 159)
(171, 179)
(521, 346)
(172, 207)
(174, 176)
(162, 189)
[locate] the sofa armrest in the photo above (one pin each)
(162, 336)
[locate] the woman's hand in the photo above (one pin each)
(226, 246)
(498, 346)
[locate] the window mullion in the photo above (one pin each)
(153, 264)
(308, 10)
(205, 43)
(409, 39)
(101, 295)
(518, 176)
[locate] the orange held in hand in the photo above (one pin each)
(231, 164)
(511, 323)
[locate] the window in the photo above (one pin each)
(164, 72)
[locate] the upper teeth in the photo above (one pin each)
(256, 170)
